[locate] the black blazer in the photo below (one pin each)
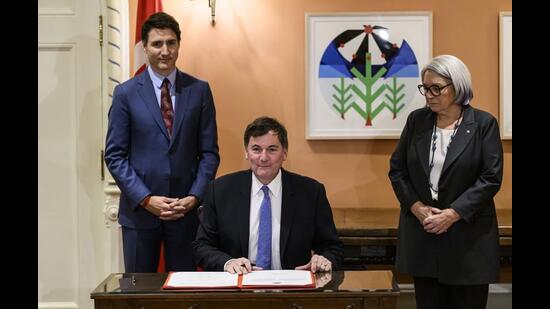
(468, 253)
(306, 222)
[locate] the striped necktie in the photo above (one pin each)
(166, 106)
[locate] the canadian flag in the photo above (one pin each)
(144, 9)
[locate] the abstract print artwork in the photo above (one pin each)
(362, 72)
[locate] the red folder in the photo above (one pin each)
(281, 284)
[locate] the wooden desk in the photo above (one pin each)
(343, 289)
(370, 238)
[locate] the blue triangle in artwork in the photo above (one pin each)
(404, 61)
(331, 55)
(405, 55)
(333, 64)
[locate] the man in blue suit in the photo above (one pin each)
(161, 154)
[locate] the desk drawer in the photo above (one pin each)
(221, 304)
(324, 303)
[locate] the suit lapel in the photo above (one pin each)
(147, 93)
(288, 207)
(422, 140)
(243, 210)
(182, 92)
(463, 136)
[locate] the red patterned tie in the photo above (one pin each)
(166, 105)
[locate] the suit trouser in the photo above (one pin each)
(432, 294)
(141, 247)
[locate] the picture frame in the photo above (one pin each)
(362, 72)
(505, 76)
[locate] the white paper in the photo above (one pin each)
(205, 279)
(277, 277)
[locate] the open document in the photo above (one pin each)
(278, 279)
(201, 280)
(270, 279)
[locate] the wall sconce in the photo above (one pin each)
(212, 5)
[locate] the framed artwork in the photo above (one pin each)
(505, 38)
(362, 72)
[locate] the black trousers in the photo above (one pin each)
(430, 294)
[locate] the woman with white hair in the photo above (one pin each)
(445, 171)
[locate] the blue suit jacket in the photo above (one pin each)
(144, 160)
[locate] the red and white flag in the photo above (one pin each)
(144, 9)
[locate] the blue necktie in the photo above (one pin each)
(263, 259)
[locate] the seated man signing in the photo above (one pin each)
(266, 217)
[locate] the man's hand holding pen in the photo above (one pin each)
(240, 266)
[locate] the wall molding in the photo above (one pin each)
(57, 305)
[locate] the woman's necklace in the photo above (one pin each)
(434, 140)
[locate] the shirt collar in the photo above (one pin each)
(157, 78)
(274, 186)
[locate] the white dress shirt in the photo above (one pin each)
(256, 197)
(442, 141)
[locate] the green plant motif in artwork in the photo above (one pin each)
(368, 96)
(394, 98)
(342, 97)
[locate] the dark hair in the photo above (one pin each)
(159, 20)
(261, 126)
